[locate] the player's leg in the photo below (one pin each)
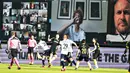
(17, 63)
(54, 57)
(63, 62)
(87, 60)
(47, 54)
(95, 59)
(71, 59)
(51, 55)
(15, 58)
(79, 58)
(32, 58)
(77, 64)
(29, 55)
(11, 63)
(95, 63)
(12, 60)
(43, 61)
(49, 64)
(129, 61)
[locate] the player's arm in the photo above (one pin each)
(78, 52)
(60, 44)
(75, 44)
(8, 44)
(36, 47)
(35, 42)
(89, 52)
(94, 48)
(28, 43)
(50, 39)
(20, 47)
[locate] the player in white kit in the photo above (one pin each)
(70, 51)
(65, 49)
(46, 51)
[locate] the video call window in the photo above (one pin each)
(118, 29)
(25, 18)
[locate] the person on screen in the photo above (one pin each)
(122, 16)
(73, 29)
(128, 48)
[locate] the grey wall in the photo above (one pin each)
(99, 26)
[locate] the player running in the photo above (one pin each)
(65, 46)
(31, 44)
(13, 46)
(70, 51)
(96, 51)
(46, 51)
(53, 49)
(83, 53)
(128, 48)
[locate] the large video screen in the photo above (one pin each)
(25, 18)
(118, 21)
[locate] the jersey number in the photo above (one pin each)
(65, 46)
(84, 51)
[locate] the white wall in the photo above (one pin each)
(99, 26)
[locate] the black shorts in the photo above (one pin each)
(63, 56)
(30, 50)
(46, 52)
(81, 57)
(69, 55)
(14, 53)
(53, 51)
(96, 54)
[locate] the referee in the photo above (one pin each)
(13, 46)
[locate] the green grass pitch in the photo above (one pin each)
(25, 68)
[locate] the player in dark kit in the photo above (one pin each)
(83, 53)
(128, 48)
(53, 49)
(96, 51)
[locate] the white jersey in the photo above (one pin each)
(70, 42)
(64, 47)
(43, 45)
